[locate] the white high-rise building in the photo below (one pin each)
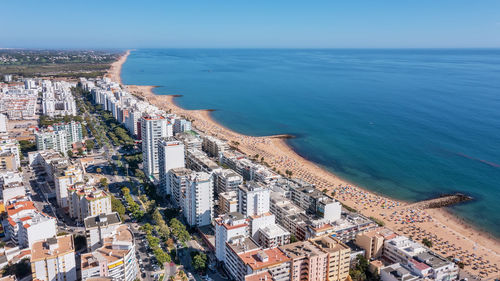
(100, 227)
(198, 199)
(226, 180)
(36, 226)
(54, 259)
(177, 181)
(57, 140)
(66, 178)
(153, 129)
(227, 227)
(170, 156)
(116, 259)
(73, 131)
(253, 199)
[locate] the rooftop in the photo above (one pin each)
(432, 259)
(274, 230)
(260, 276)
(52, 247)
(259, 259)
(399, 273)
(113, 250)
(330, 244)
(243, 244)
(102, 220)
(301, 249)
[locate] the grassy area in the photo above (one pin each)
(56, 63)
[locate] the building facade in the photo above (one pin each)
(54, 259)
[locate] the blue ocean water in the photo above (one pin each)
(410, 124)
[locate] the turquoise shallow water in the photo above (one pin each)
(410, 124)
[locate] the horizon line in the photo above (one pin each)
(254, 48)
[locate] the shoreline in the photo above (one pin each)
(462, 239)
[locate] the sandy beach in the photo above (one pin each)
(451, 237)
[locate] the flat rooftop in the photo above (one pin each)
(329, 244)
(259, 259)
(61, 245)
(245, 245)
(102, 220)
(300, 249)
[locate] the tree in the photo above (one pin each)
(89, 144)
(148, 228)
(103, 182)
(80, 242)
(125, 191)
(199, 262)
(427, 242)
(117, 206)
(80, 151)
(361, 272)
(27, 146)
(70, 153)
(98, 170)
(293, 239)
(20, 269)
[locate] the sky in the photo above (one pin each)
(250, 24)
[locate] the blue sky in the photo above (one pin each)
(255, 23)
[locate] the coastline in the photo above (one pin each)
(439, 225)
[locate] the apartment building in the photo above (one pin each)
(8, 161)
(228, 202)
(418, 260)
(50, 139)
(227, 227)
(182, 125)
(11, 146)
(115, 259)
(16, 211)
(373, 241)
(198, 161)
(338, 256)
(214, 146)
(153, 129)
(401, 248)
(99, 227)
(253, 199)
(64, 178)
(309, 261)
(85, 201)
(11, 190)
(3, 123)
(177, 180)
(54, 259)
(244, 257)
(170, 156)
(272, 236)
(73, 131)
(190, 140)
(226, 180)
(19, 103)
(198, 199)
(36, 226)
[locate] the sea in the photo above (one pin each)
(411, 124)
